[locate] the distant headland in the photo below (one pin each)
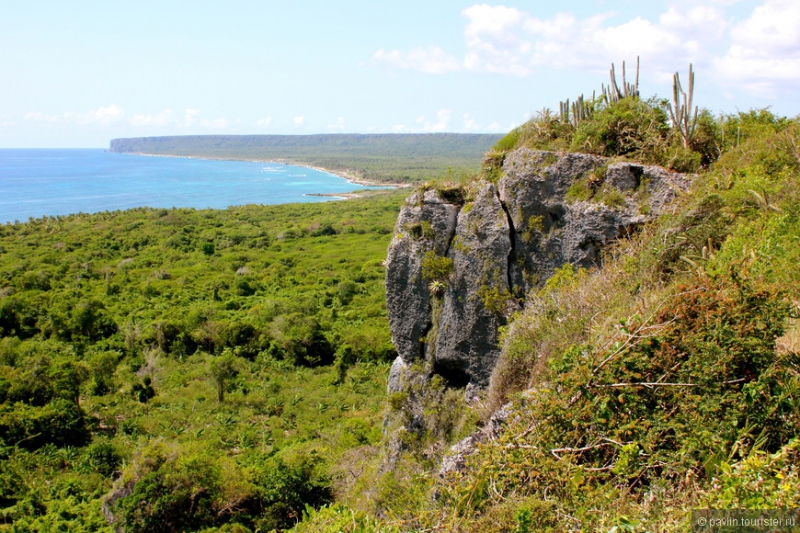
(377, 158)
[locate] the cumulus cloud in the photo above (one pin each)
(105, 115)
(758, 51)
(264, 122)
(189, 116)
(338, 126)
(509, 41)
(214, 124)
(431, 60)
(506, 40)
(169, 119)
(496, 40)
(299, 121)
(165, 118)
(764, 54)
(441, 123)
(469, 124)
(41, 117)
(102, 116)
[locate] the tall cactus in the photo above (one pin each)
(680, 110)
(575, 113)
(613, 93)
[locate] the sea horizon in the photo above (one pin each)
(43, 182)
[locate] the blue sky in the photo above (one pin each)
(76, 74)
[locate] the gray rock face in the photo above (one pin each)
(456, 458)
(466, 344)
(425, 223)
(508, 240)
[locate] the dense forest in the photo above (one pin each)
(230, 363)
(396, 158)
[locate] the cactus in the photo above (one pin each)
(612, 93)
(576, 112)
(681, 114)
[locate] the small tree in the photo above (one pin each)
(222, 369)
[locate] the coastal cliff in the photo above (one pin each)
(463, 260)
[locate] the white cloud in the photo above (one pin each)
(165, 118)
(469, 124)
(214, 124)
(496, 40)
(398, 128)
(41, 117)
(764, 55)
(101, 115)
(755, 48)
(189, 116)
(509, 41)
(442, 122)
(264, 122)
(431, 60)
(299, 121)
(169, 119)
(338, 126)
(105, 115)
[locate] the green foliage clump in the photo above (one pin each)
(436, 267)
(630, 127)
(420, 230)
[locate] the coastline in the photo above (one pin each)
(345, 174)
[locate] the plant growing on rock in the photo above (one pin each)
(436, 267)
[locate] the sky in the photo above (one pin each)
(77, 74)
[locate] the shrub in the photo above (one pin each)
(629, 127)
(436, 267)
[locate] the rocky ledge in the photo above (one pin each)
(462, 261)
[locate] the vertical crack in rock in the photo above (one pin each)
(512, 237)
(423, 340)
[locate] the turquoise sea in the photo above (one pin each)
(39, 182)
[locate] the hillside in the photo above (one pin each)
(396, 158)
(590, 342)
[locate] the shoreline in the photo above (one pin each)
(344, 174)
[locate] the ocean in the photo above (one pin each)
(49, 182)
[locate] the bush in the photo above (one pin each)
(286, 490)
(59, 422)
(630, 127)
(436, 267)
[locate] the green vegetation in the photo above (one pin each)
(176, 365)
(391, 158)
(666, 381)
(224, 371)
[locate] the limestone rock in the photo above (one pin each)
(466, 343)
(425, 223)
(508, 240)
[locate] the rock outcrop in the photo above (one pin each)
(546, 210)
